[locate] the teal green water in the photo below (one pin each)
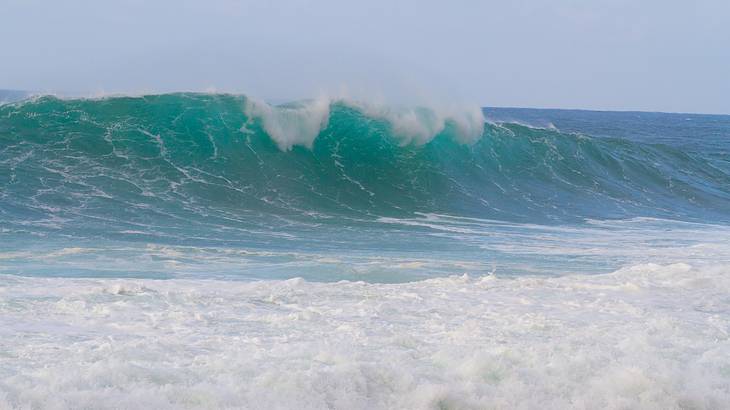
(198, 180)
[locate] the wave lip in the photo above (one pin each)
(301, 122)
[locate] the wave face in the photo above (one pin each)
(171, 175)
(192, 155)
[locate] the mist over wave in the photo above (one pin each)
(300, 123)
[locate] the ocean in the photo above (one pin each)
(214, 251)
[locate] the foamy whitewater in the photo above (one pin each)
(206, 251)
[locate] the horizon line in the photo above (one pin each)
(89, 95)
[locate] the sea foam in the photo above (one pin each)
(647, 336)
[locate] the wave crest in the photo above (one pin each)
(301, 122)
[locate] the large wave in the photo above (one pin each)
(193, 157)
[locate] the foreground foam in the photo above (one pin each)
(647, 336)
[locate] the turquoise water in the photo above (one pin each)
(200, 185)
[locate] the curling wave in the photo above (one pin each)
(198, 157)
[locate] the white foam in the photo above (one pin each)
(648, 336)
(301, 123)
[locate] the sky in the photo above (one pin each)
(593, 54)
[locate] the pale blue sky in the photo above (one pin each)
(602, 54)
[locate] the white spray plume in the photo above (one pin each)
(289, 125)
(299, 123)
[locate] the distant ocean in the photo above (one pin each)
(214, 251)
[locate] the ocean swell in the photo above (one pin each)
(201, 156)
